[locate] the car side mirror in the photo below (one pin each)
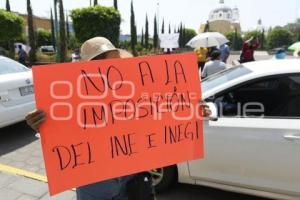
(214, 111)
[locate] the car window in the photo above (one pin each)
(8, 66)
(274, 97)
(224, 76)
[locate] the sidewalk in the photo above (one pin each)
(13, 187)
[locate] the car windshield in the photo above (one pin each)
(224, 76)
(8, 66)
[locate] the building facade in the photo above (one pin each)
(222, 19)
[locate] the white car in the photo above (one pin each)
(16, 92)
(252, 142)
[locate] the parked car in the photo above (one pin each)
(16, 92)
(47, 49)
(252, 141)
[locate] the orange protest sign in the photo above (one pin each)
(111, 118)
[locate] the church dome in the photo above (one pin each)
(224, 13)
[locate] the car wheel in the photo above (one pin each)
(163, 178)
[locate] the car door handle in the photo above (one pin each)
(292, 137)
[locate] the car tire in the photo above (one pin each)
(164, 178)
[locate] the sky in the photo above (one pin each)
(192, 13)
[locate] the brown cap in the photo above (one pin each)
(95, 47)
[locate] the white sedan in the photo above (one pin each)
(16, 92)
(252, 142)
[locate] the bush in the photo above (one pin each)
(11, 26)
(235, 39)
(73, 42)
(43, 37)
(96, 21)
(279, 37)
(189, 34)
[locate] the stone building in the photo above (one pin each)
(222, 19)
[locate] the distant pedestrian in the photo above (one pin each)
(201, 55)
(248, 49)
(22, 55)
(214, 65)
(225, 52)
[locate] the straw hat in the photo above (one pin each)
(95, 47)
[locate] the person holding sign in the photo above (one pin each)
(132, 187)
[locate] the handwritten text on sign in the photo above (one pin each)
(111, 118)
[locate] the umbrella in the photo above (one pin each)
(295, 46)
(207, 39)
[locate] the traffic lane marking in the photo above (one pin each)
(21, 172)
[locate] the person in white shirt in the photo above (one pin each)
(214, 65)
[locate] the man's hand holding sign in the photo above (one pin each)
(111, 118)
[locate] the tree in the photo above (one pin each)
(143, 38)
(180, 35)
(262, 39)
(7, 6)
(155, 34)
(11, 45)
(133, 40)
(95, 2)
(13, 23)
(250, 34)
(169, 28)
(188, 35)
(294, 28)
(62, 34)
(235, 40)
(146, 33)
(107, 22)
(67, 27)
(43, 37)
(279, 37)
(53, 38)
(116, 4)
(163, 26)
(31, 34)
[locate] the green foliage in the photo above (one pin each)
(11, 26)
(73, 42)
(96, 21)
(133, 32)
(147, 33)
(155, 34)
(250, 34)
(235, 39)
(116, 4)
(62, 34)
(163, 27)
(294, 28)
(53, 38)
(279, 37)
(31, 34)
(188, 35)
(7, 5)
(43, 37)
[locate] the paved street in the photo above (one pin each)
(20, 149)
